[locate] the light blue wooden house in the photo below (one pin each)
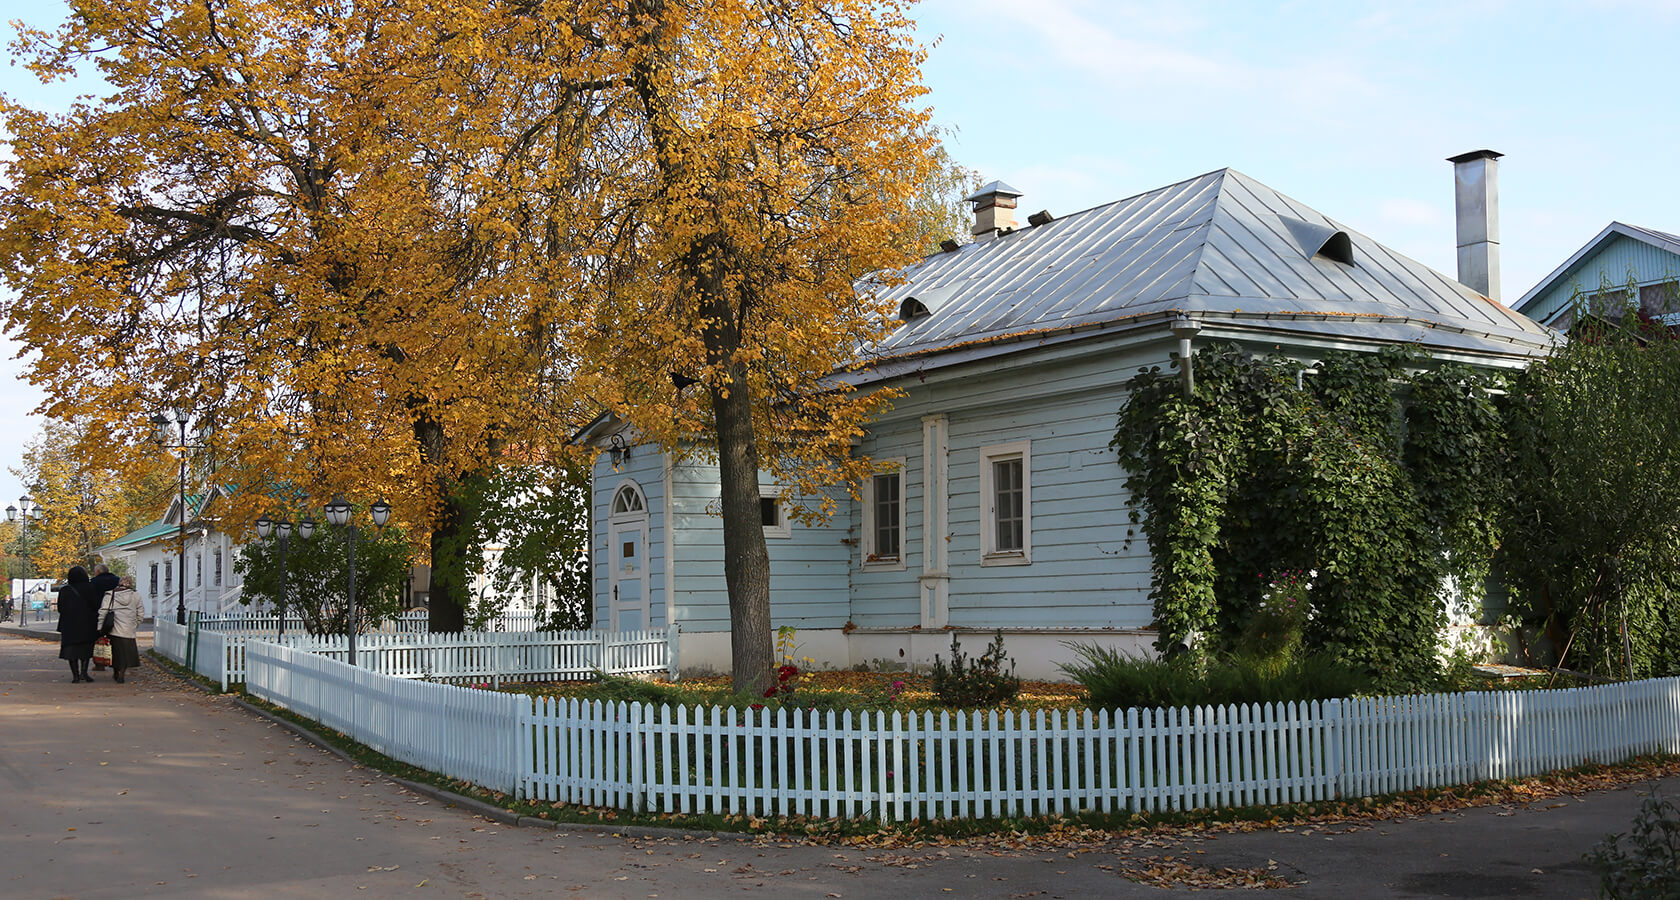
(1003, 506)
(1624, 267)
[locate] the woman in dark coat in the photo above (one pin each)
(78, 623)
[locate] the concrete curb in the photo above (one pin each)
(21, 631)
(464, 803)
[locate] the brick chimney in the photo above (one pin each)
(994, 209)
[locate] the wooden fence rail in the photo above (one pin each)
(471, 657)
(895, 765)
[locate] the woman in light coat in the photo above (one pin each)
(128, 610)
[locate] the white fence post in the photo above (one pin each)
(673, 639)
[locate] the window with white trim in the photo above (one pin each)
(154, 580)
(772, 514)
(169, 577)
(883, 516)
(1006, 504)
(218, 566)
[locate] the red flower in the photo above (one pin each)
(772, 690)
(786, 673)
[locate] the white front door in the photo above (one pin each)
(627, 546)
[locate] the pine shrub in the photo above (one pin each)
(983, 682)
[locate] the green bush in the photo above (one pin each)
(1650, 868)
(980, 683)
(1116, 681)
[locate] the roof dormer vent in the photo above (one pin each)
(1320, 240)
(911, 310)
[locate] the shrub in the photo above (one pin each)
(1116, 681)
(1274, 627)
(980, 683)
(1650, 868)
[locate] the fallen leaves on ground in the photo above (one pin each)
(1171, 873)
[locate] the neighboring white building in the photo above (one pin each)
(202, 577)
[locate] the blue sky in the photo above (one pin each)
(1349, 108)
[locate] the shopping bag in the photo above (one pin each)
(102, 651)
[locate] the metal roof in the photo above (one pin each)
(1659, 239)
(140, 537)
(1221, 246)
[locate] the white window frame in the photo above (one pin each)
(990, 555)
(893, 466)
(784, 526)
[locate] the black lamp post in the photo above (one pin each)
(162, 425)
(29, 510)
(338, 514)
(283, 530)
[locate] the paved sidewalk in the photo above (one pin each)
(153, 788)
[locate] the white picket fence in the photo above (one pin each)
(455, 731)
(411, 622)
(492, 657)
(893, 765)
(470, 657)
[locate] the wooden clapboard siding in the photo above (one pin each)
(1616, 260)
(807, 568)
(1084, 572)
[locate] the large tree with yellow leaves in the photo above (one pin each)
(379, 247)
(337, 233)
(771, 155)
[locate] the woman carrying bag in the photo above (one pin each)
(78, 623)
(120, 615)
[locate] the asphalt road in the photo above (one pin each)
(153, 788)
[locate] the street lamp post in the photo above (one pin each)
(283, 530)
(339, 514)
(29, 510)
(162, 424)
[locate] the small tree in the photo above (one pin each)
(538, 515)
(1594, 530)
(317, 577)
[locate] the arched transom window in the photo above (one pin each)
(628, 501)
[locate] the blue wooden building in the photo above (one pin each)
(1624, 267)
(1002, 505)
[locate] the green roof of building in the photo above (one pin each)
(139, 537)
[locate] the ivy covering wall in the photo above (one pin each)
(1378, 471)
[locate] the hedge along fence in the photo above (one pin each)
(896, 766)
(469, 657)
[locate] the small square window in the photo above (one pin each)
(771, 514)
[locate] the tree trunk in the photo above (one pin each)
(746, 559)
(447, 599)
(446, 603)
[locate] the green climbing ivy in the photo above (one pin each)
(1375, 470)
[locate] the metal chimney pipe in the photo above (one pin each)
(1476, 203)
